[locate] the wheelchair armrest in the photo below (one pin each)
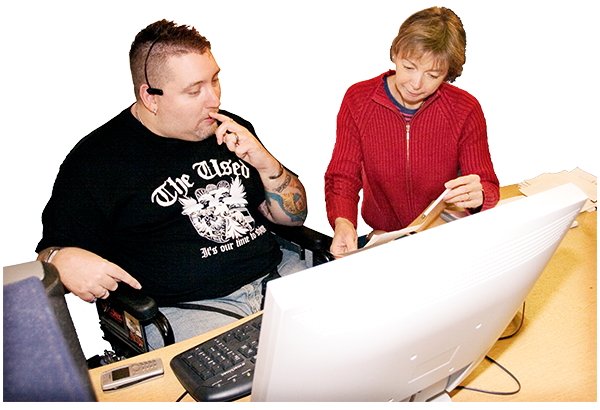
(129, 338)
(134, 302)
(305, 239)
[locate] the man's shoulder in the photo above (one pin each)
(117, 124)
(107, 139)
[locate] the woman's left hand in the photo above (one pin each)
(465, 191)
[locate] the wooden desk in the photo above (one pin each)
(553, 355)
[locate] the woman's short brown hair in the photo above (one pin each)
(436, 30)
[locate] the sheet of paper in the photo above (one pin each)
(585, 181)
(439, 201)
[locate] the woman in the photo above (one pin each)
(405, 136)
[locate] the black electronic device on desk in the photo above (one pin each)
(222, 368)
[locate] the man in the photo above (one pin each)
(172, 195)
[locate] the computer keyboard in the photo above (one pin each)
(222, 368)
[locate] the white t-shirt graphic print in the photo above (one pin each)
(219, 211)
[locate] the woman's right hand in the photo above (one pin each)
(88, 275)
(345, 238)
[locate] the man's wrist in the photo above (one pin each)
(50, 253)
(278, 174)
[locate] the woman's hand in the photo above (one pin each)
(465, 191)
(345, 238)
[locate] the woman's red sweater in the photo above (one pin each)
(402, 167)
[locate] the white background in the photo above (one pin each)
(533, 65)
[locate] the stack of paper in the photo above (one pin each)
(588, 183)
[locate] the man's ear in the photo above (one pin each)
(148, 100)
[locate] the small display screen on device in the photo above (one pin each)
(119, 374)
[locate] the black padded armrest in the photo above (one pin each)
(127, 337)
(137, 304)
(306, 239)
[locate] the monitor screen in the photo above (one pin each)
(408, 320)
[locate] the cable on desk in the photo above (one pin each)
(502, 367)
(497, 393)
(181, 397)
(518, 328)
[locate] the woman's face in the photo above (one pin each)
(416, 79)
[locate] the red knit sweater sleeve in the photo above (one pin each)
(475, 158)
(343, 180)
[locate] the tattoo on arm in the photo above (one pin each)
(289, 197)
(293, 204)
(285, 184)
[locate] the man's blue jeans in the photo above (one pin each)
(245, 301)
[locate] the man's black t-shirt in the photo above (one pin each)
(181, 217)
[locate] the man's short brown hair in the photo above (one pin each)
(167, 39)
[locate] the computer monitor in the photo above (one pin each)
(408, 320)
(42, 361)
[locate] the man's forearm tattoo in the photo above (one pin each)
(285, 184)
(293, 203)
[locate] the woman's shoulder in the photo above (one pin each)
(367, 85)
(364, 91)
(456, 105)
(457, 96)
